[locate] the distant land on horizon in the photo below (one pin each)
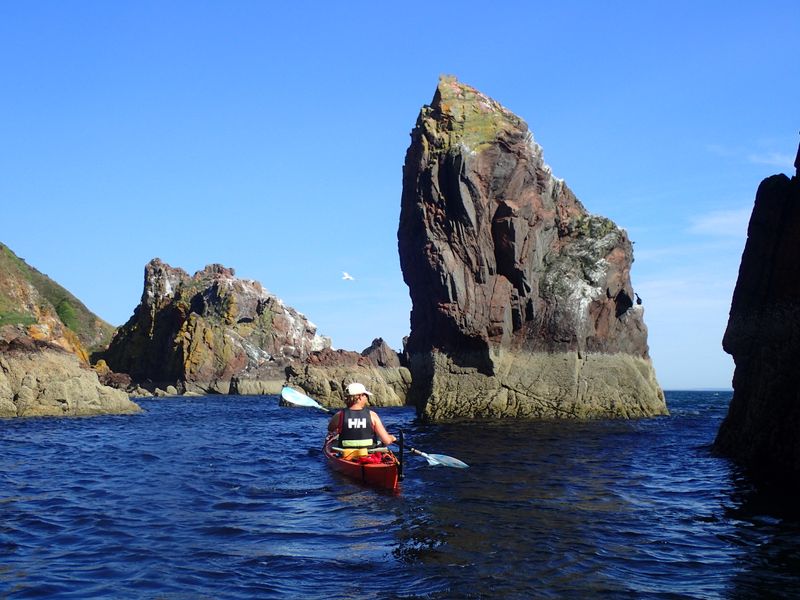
(702, 389)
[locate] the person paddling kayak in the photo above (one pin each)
(358, 427)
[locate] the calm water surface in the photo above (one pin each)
(228, 497)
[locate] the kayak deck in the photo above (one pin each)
(382, 474)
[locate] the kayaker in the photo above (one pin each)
(358, 427)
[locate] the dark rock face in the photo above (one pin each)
(522, 300)
(210, 333)
(763, 336)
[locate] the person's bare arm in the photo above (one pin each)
(333, 424)
(380, 430)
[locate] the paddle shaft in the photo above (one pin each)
(401, 458)
(300, 399)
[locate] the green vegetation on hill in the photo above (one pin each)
(15, 318)
(93, 332)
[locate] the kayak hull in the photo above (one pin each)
(382, 475)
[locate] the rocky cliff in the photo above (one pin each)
(45, 332)
(325, 374)
(210, 333)
(761, 428)
(37, 306)
(521, 300)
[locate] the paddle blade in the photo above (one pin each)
(440, 459)
(447, 461)
(292, 396)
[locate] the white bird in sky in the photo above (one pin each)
(347, 277)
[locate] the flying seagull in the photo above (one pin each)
(347, 277)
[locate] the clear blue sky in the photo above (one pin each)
(270, 137)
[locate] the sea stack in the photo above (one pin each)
(210, 333)
(522, 304)
(761, 428)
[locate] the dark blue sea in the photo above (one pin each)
(229, 497)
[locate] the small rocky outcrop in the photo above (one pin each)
(522, 303)
(210, 333)
(761, 428)
(381, 354)
(38, 379)
(325, 375)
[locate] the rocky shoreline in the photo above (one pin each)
(41, 380)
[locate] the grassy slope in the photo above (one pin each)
(93, 332)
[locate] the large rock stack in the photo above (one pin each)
(762, 427)
(210, 333)
(522, 300)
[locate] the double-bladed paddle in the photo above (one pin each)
(292, 396)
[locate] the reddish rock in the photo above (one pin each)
(328, 357)
(522, 300)
(381, 354)
(325, 374)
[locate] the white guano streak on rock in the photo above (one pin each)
(168, 290)
(599, 273)
(255, 354)
(581, 295)
(466, 149)
(320, 342)
(166, 287)
(553, 183)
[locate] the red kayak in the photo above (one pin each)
(379, 468)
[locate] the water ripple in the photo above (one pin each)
(192, 499)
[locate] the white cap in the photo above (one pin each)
(354, 389)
